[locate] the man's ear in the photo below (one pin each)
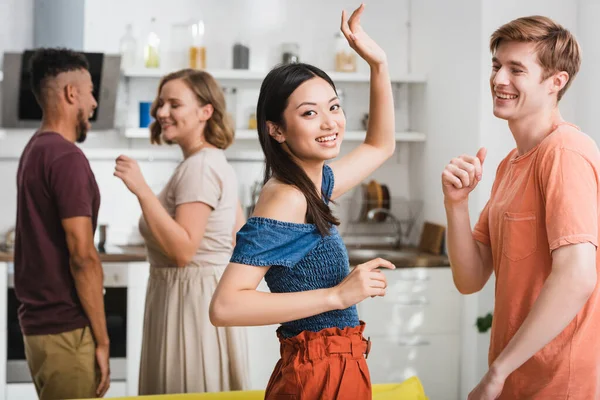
(70, 93)
(559, 81)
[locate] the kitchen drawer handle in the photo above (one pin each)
(413, 343)
(413, 302)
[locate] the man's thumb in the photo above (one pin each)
(481, 154)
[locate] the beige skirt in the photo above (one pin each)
(182, 352)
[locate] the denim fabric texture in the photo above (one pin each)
(300, 260)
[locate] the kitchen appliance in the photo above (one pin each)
(115, 303)
(21, 110)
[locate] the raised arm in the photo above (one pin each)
(380, 142)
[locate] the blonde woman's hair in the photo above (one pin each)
(219, 129)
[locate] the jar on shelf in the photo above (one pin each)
(241, 55)
(345, 57)
(290, 53)
(252, 121)
(197, 51)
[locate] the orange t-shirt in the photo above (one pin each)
(542, 200)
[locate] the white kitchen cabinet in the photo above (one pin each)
(415, 331)
(434, 359)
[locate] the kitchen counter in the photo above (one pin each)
(406, 257)
(112, 254)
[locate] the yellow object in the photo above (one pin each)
(151, 57)
(252, 121)
(197, 57)
(151, 48)
(410, 389)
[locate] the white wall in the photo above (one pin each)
(450, 52)
(588, 80)
(16, 25)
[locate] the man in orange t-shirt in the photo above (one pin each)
(538, 232)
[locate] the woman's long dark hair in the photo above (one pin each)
(275, 91)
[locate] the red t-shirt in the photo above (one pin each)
(54, 182)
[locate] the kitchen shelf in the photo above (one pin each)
(246, 134)
(253, 75)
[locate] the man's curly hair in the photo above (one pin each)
(47, 63)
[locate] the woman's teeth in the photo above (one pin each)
(327, 138)
(506, 96)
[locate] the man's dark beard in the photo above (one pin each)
(81, 127)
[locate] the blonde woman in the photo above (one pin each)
(189, 231)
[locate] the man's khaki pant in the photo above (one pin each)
(63, 366)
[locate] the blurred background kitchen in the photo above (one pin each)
(440, 64)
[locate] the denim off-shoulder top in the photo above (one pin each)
(300, 260)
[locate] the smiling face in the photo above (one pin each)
(179, 112)
(517, 82)
(314, 122)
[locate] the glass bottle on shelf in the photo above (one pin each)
(197, 48)
(128, 48)
(345, 58)
(231, 103)
(152, 47)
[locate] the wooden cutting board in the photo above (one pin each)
(432, 238)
